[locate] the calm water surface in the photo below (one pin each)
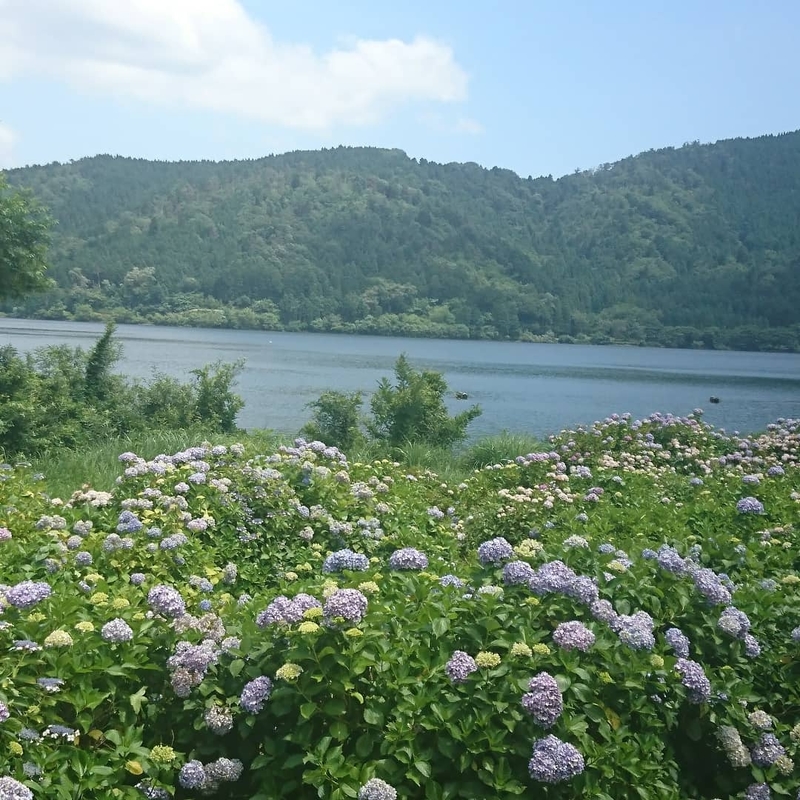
(539, 388)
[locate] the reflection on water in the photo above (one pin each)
(525, 387)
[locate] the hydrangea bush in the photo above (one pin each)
(615, 617)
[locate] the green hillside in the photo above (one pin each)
(691, 246)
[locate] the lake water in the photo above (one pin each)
(536, 388)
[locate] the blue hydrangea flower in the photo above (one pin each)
(750, 505)
(255, 694)
(460, 666)
(495, 551)
(349, 604)
(554, 761)
(678, 642)
(167, 601)
(543, 700)
(117, 631)
(694, 679)
(408, 558)
(573, 635)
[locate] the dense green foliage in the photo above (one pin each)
(413, 410)
(60, 397)
(697, 246)
(410, 411)
(112, 683)
(24, 237)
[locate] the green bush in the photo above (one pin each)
(336, 420)
(59, 397)
(414, 410)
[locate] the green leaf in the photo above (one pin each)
(236, 667)
(373, 717)
(423, 767)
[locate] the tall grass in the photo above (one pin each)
(498, 449)
(98, 465)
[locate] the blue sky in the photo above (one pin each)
(537, 87)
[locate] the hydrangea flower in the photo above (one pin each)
(349, 604)
(516, 572)
(14, 790)
(192, 775)
(117, 631)
(767, 750)
(694, 679)
(27, 594)
(255, 694)
(495, 551)
(636, 630)
(408, 558)
(376, 789)
(758, 791)
(218, 719)
(554, 761)
(573, 635)
(678, 642)
(460, 666)
(167, 601)
(345, 559)
(750, 505)
(543, 700)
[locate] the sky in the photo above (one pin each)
(537, 86)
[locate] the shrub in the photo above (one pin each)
(414, 410)
(336, 420)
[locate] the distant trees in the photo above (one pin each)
(24, 229)
(696, 246)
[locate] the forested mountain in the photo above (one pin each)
(690, 246)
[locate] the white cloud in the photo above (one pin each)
(211, 55)
(467, 125)
(8, 138)
(441, 123)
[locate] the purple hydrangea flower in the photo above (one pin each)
(758, 791)
(752, 649)
(582, 589)
(495, 551)
(573, 635)
(345, 559)
(603, 611)
(678, 642)
(453, 580)
(554, 576)
(167, 601)
(349, 604)
(255, 694)
(14, 790)
(694, 679)
(775, 470)
(709, 584)
(554, 761)
(408, 558)
(460, 666)
(767, 750)
(27, 594)
(192, 775)
(4, 712)
(543, 700)
(670, 560)
(636, 630)
(117, 631)
(515, 572)
(128, 522)
(734, 622)
(138, 578)
(750, 505)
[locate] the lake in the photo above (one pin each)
(536, 388)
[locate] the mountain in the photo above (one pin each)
(697, 246)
